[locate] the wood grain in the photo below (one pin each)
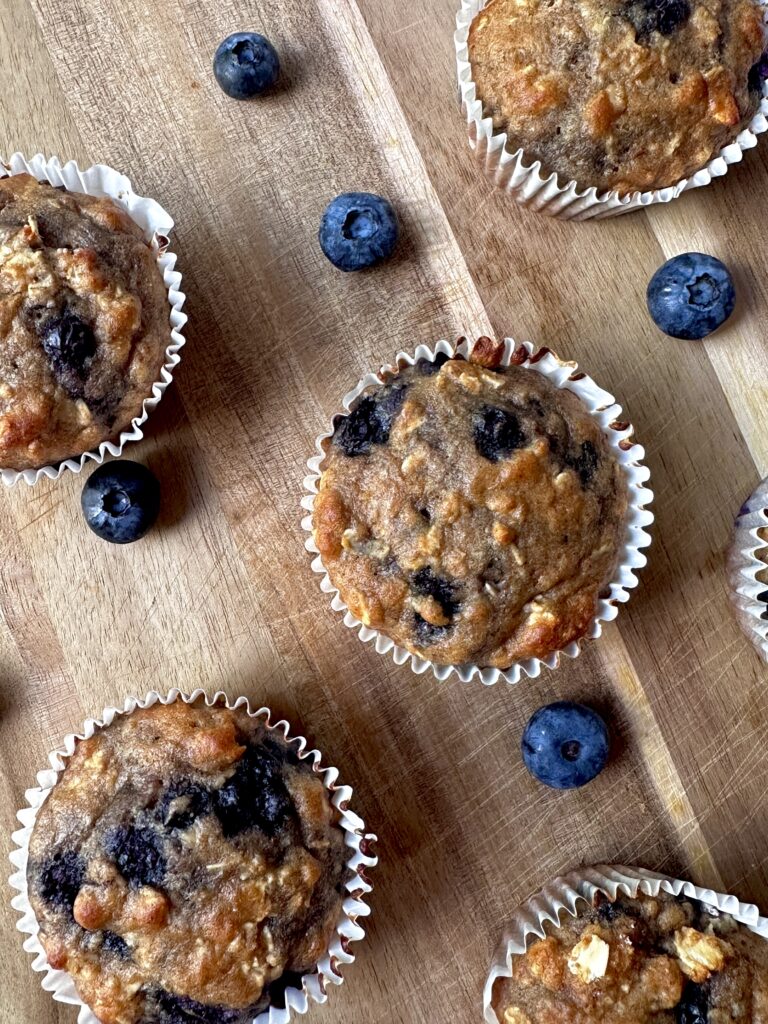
(222, 596)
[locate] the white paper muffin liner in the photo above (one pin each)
(629, 454)
(349, 929)
(563, 896)
(156, 224)
(747, 563)
(524, 181)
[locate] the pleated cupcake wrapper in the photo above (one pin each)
(565, 896)
(524, 180)
(156, 224)
(348, 929)
(630, 454)
(745, 567)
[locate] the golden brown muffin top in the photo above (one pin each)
(618, 94)
(187, 866)
(471, 514)
(84, 322)
(649, 960)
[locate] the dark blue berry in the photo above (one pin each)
(428, 367)
(121, 501)
(138, 854)
(565, 745)
(246, 65)
(70, 345)
(663, 16)
(693, 1007)
(691, 295)
(758, 74)
(611, 910)
(497, 433)
(255, 796)
(426, 584)
(164, 1007)
(370, 422)
(358, 230)
(182, 804)
(61, 878)
(585, 463)
(426, 633)
(116, 944)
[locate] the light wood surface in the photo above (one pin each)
(221, 595)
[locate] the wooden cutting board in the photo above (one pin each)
(221, 595)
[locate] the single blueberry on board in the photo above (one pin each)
(121, 501)
(138, 854)
(246, 64)
(370, 422)
(358, 230)
(182, 803)
(691, 295)
(662, 16)
(255, 796)
(61, 878)
(70, 345)
(497, 433)
(565, 745)
(693, 1007)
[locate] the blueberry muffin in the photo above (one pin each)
(649, 960)
(630, 95)
(473, 514)
(84, 322)
(186, 868)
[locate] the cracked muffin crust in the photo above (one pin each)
(630, 95)
(648, 960)
(84, 322)
(469, 512)
(186, 868)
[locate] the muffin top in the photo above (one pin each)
(84, 322)
(618, 94)
(649, 960)
(471, 514)
(187, 866)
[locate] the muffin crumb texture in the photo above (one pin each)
(187, 867)
(470, 513)
(630, 95)
(648, 960)
(84, 322)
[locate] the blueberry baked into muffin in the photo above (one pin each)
(186, 868)
(83, 322)
(649, 960)
(472, 513)
(619, 94)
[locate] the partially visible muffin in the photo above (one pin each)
(84, 322)
(472, 513)
(630, 95)
(649, 960)
(187, 866)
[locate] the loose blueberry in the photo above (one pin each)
(565, 745)
(358, 230)
(246, 65)
(120, 501)
(138, 854)
(69, 344)
(255, 796)
(116, 944)
(61, 878)
(691, 295)
(182, 804)
(370, 422)
(663, 16)
(693, 1007)
(497, 433)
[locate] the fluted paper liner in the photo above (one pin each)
(348, 929)
(156, 224)
(629, 454)
(510, 171)
(748, 568)
(562, 897)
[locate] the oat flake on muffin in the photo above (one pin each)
(187, 866)
(469, 512)
(84, 322)
(625, 95)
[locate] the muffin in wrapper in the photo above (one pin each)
(748, 569)
(511, 172)
(562, 897)
(628, 453)
(156, 224)
(348, 929)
